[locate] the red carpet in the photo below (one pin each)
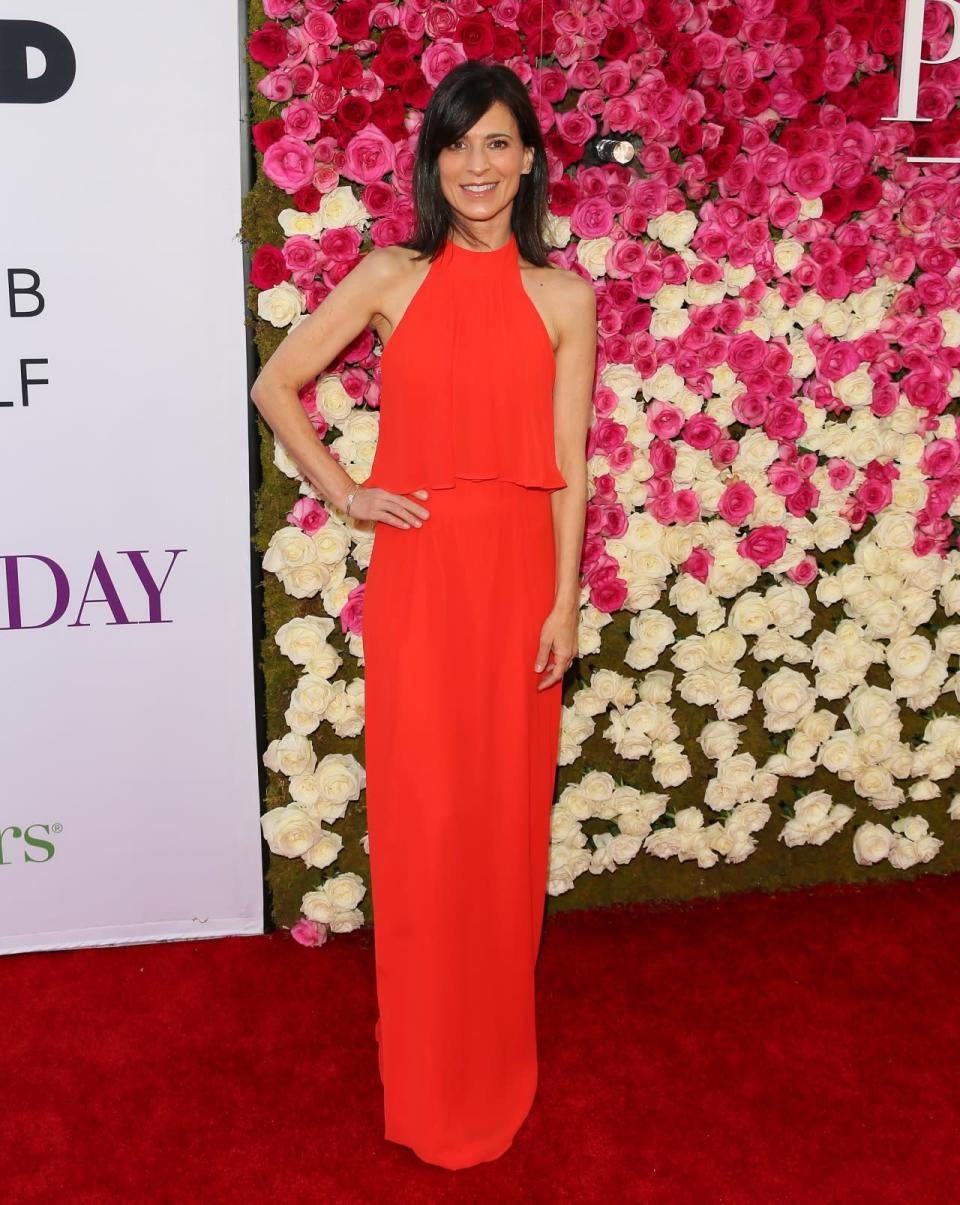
(800, 1047)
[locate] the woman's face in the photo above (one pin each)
(480, 172)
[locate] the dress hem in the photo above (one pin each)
(451, 482)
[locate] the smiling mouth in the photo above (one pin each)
(478, 190)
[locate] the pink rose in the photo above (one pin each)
(309, 932)
(592, 218)
(663, 420)
(370, 155)
(308, 515)
(288, 162)
(839, 473)
(784, 478)
(764, 544)
(784, 420)
(736, 502)
(940, 457)
(698, 563)
(809, 175)
(804, 571)
(701, 431)
(440, 57)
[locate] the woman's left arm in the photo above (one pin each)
(576, 358)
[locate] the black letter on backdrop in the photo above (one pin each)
(60, 67)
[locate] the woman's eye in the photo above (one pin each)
(497, 142)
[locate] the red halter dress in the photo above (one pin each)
(460, 746)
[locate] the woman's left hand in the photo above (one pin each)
(558, 643)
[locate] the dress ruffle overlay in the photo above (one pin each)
(461, 747)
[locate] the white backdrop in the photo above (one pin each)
(129, 801)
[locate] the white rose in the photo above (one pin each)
(340, 207)
(669, 325)
(737, 278)
(333, 401)
(855, 389)
(656, 687)
(835, 319)
(871, 843)
(557, 229)
(331, 543)
(829, 532)
(675, 230)
(302, 638)
(909, 657)
(592, 254)
(324, 850)
(871, 707)
(293, 222)
(704, 294)
(723, 648)
(894, 530)
(664, 385)
(623, 379)
(787, 253)
(787, 696)
(281, 304)
(720, 738)
(668, 297)
(346, 890)
(750, 614)
(292, 754)
(903, 854)
(289, 548)
(840, 754)
(807, 310)
(289, 831)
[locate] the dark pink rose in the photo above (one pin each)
(784, 420)
(687, 506)
(764, 544)
(804, 498)
(701, 431)
(784, 478)
(940, 457)
(749, 409)
(698, 563)
(874, 495)
(663, 419)
(736, 502)
(341, 243)
(724, 452)
(609, 596)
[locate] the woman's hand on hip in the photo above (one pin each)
(558, 643)
(382, 506)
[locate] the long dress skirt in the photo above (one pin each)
(461, 757)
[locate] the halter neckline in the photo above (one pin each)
(510, 246)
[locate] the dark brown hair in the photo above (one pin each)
(457, 103)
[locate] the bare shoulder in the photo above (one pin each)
(572, 300)
(574, 291)
(387, 266)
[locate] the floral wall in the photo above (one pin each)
(767, 688)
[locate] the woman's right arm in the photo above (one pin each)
(305, 352)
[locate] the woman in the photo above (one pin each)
(478, 490)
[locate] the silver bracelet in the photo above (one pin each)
(350, 497)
